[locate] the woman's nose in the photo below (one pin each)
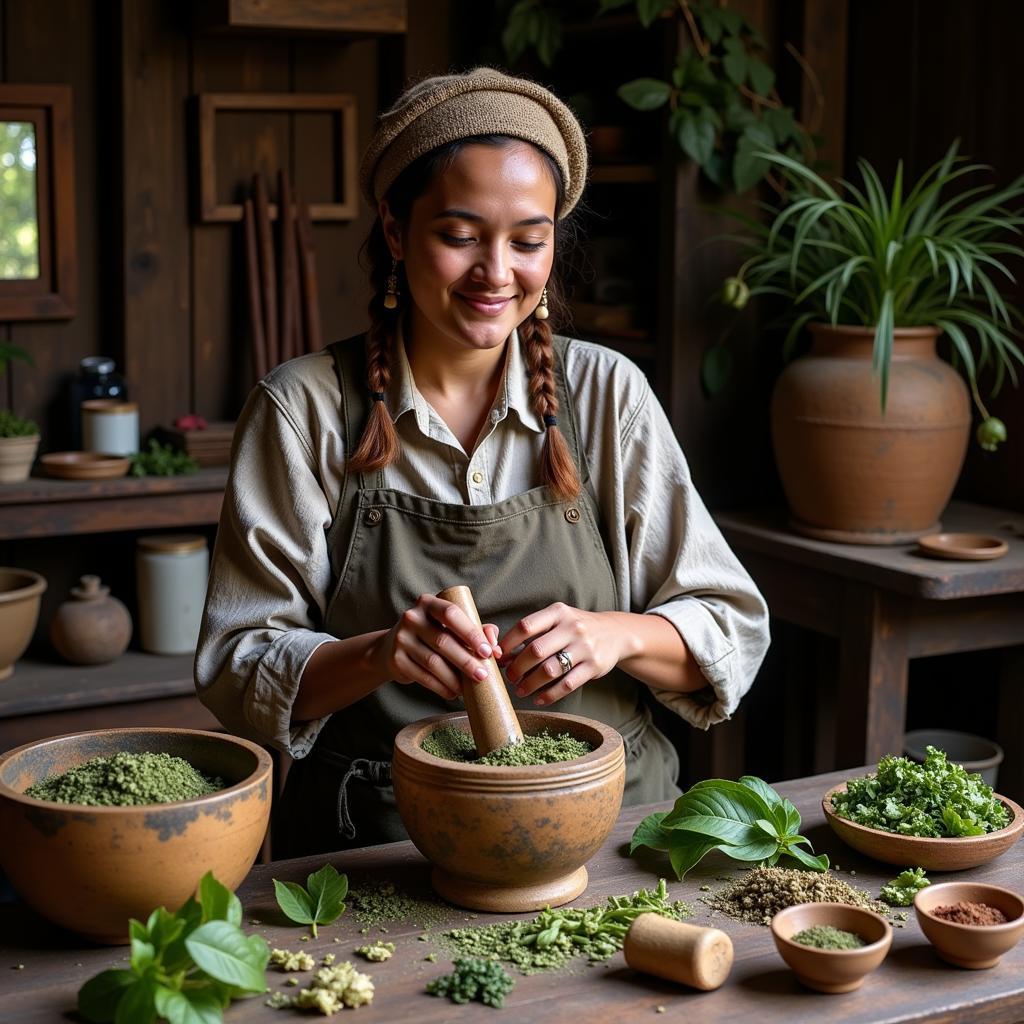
(494, 267)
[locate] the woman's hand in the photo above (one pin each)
(436, 645)
(594, 641)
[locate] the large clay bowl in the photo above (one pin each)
(970, 945)
(20, 593)
(92, 868)
(510, 839)
(831, 970)
(954, 854)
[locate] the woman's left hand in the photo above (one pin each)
(593, 641)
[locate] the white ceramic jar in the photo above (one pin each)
(171, 575)
(110, 426)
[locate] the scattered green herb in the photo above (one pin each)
(746, 820)
(162, 460)
(554, 937)
(126, 779)
(330, 991)
(321, 902)
(454, 744)
(473, 979)
(374, 902)
(824, 936)
(900, 892)
(377, 951)
(185, 967)
(935, 799)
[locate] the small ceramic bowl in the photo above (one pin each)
(831, 970)
(970, 945)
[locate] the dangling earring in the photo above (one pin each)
(391, 294)
(541, 312)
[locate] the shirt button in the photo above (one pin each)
(478, 477)
(374, 516)
(572, 515)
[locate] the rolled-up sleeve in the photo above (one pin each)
(269, 581)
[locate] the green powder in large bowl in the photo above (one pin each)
(125, 780)
(453, 744)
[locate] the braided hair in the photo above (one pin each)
(379, 445)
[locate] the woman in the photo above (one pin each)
(460, 442)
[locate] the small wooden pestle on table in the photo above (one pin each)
(492, 718)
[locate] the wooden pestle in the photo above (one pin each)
(677, 951)
(491, 715)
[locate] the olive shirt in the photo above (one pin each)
(271, 577)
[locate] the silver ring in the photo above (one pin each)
(565, 661)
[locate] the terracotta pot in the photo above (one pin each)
(92, 868)
(852, 473)
(510, 839)
(93, 627)
(16, 457)
(20, 591)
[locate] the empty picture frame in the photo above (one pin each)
(342, 205)
(38, 257)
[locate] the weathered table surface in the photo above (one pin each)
(911, 985)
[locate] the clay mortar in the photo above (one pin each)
(510, 839)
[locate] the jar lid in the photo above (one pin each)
(172, 543)
(110, 406)
(98, 364)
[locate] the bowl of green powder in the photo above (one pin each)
(107, 825)
(831, 947)
(510, 832)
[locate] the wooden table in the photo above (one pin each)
(911, 985)
(886, 605)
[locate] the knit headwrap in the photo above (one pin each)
(483, 101)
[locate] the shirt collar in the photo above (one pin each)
(514, 394)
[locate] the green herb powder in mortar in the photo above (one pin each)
(125, 780)
(824, 936)
(453, 744)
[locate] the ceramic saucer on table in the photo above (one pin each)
(84, 465)
(973, 547)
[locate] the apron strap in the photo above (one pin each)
(377, 773)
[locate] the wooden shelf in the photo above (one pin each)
(623, 174)
(42, 507)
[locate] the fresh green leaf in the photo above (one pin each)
(223, 952)
(136, 1005)
(808, 860)
(761, 77)
(687, 850)
(735, 62)
(770, 828)
(697, 135)
(900, 892)
(650, 10)
(718, 798)
(749, 166)
(294, 901)
(957, 825)
(98, 998)
(164, 928)
(142, 955)
(219, 903)
(650, 833)
(192, 1006)
(321, 904)
(645, 93)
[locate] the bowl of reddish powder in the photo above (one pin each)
(970, 924)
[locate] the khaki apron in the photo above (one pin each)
(517, 556)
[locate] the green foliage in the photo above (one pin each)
(9, 353)
(935, 799)
(162, 460)
(482, 980)
(904, 257)
(900, 892)
(724, 109)
(12, 425)
(321, 902)
(747, 820)
(185, 967)
(19, 218)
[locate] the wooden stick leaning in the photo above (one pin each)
(252, 273)
(290, 316)
(491, 714)
(310, 291)
(267, 271)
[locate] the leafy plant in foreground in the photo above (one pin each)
(186, 967)
(900, 892)
(321, 902)
(746, 820)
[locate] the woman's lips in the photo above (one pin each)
(488, 307)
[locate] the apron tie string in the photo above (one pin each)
(377, 773)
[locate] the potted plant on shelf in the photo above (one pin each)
(870, 429)
(19, 437)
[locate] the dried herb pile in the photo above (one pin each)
(824, 936)
(473, 979)
(454, 744)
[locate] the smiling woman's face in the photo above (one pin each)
(479, 245)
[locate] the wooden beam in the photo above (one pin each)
(823, 96)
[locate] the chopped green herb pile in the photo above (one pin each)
(454, 744)
(482, 980)
(935, 799)
(900, 892)
(554, 937)
(162, 460)
(330, 991)
(186, 966)
(124, 780)
(824, 936)
(321, 904)
(746, 820)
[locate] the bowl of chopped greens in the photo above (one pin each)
(934, 814)
(103, 826)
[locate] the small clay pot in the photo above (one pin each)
(510, 839)
(93, 627)
(20, 593)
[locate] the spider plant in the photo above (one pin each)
(880, 259)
